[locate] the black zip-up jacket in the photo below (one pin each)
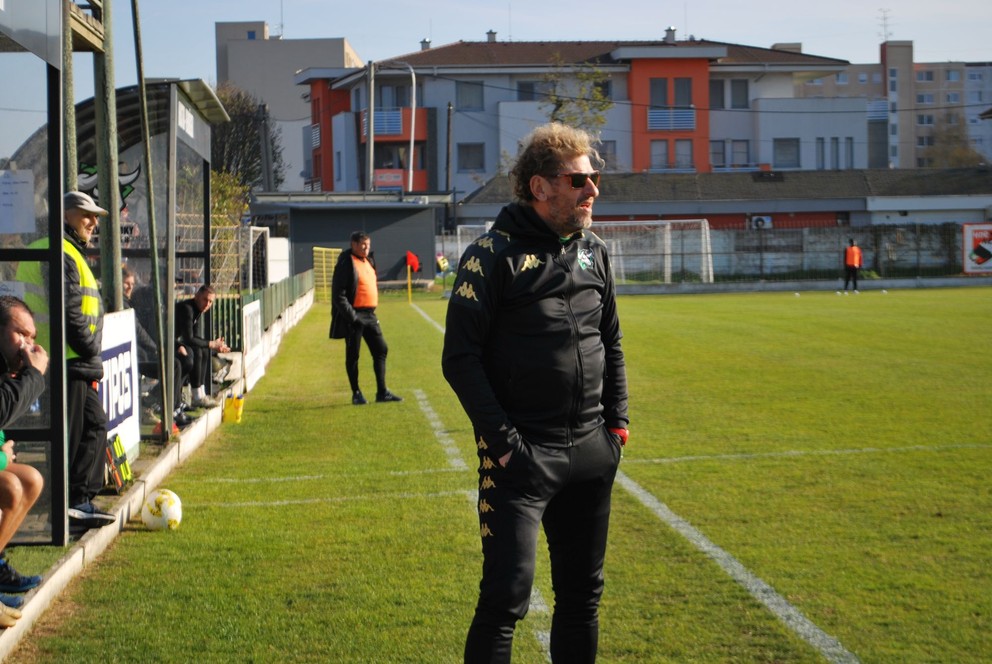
(532, 338)
(344, 286)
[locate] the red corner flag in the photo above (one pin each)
(413, 261)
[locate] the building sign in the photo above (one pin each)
(977, 247)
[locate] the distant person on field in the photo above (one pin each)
(852, 263)
(86, 420)
(23, 364)
(354, 297)
(532, 349)
(194, 351)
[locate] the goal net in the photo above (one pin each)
(466, 235)
(658, 251)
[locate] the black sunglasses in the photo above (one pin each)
(578, 180)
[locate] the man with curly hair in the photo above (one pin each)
(532, 349)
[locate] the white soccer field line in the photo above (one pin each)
(825, 644)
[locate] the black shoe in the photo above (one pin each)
(358, 399)
(87, 515)
(13, 582)
(387, 396)
(181, 419)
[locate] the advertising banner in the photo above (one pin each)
(120, 390)
(977, 246)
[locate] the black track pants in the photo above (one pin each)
(568, 491)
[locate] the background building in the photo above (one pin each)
(265, 67)
(678, 106)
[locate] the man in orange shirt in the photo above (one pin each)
(354, 297)
(852, 263)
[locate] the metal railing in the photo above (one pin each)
(226, 318)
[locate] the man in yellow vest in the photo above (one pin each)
(86, 421)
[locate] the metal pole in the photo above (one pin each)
(413, 126)
(165, 377)
(370, 131)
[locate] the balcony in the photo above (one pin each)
(393, 124)
(394, 179)
(671, 119)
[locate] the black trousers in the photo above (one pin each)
(850, 273)
(87, 433)
(367, 328)
(568, 491)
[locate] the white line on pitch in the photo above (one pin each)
(340, 499)
(799, 453)
(455, 459)
(440, 328)
(827, 645)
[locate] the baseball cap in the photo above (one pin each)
(79, 200)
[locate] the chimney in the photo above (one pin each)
(670, 35)
(425, 44)
(492, 36)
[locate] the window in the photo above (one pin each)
(740, 153)
(953, 97)
(924, 119)
(924, 99)
(739, 93)
(975, 97)
(815, 81)
(924, 76)
(974, 76)
(716, 95)
(683, 92)
(821, 157)
(894, 151)
(251, 35)
(849, 152)
(863, 78)
(605, 89)
(841, 78)
(468, 95)
(924, 141)
(608, 153)
(834, 153)
(953, 75)
(683, 153)
(356, 99)
(659, 92)
(659, 154)
(337, 166)
(785, 153)
(718, 154)
(471, 157)
(532, 90)
(893, 108)
(893, 129)
(893, 87)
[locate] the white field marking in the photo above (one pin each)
(440, 328)
(798, 453)
(455, 459)
(426, 471)
(256, 480)
(827, 645)
(540, 609)
(340, 499)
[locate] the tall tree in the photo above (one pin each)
(577, 94)
(951, 146)
(236, 147)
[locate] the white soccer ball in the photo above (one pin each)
(162, 510)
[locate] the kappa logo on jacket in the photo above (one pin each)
(530, 262)
(473, 264)
(466, 291)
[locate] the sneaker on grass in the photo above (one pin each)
(11, 581)
(86, 514)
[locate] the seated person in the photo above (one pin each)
(148, 364)
(194, 351)
(23, 364)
